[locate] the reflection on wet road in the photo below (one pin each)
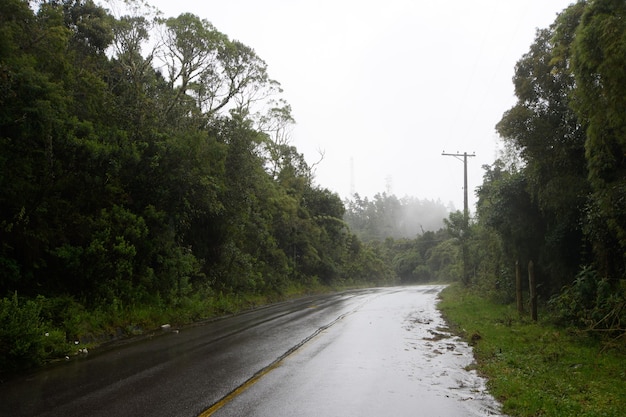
(359, 353)
(391, 356)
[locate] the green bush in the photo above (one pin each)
(592, 302)
(33, 332)
(55, 345)
(21, 334)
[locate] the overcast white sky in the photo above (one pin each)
(383, 87)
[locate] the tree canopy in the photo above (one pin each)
(142, 157)
(557, 197)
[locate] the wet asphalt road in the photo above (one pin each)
(360, 353)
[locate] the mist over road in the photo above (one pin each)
(369, 352)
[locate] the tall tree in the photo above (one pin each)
(550, 140)
(505, 206)
(208, 69)
(599, 60)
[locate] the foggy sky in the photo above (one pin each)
(383, 87)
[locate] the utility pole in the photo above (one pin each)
(458, 156)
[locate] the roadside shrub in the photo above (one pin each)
(67, 315)
(592, 303)
(504, 285)
(55, 345)
(21, 335)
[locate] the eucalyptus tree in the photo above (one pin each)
(277, 123)
(133, 79)
(208, 69)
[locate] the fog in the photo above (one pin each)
(382, 88)
(387, 216)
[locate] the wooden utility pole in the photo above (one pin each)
(533, 290)
(518, 288)
(458, 156)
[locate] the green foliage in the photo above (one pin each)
(432, 256)
(536, 209)
(506, 208)
(406, 264)
(598, 60)
(388, 216)
(592, 304)
(27, 339)
(556, 197)
(21, 334)
(444, 262)
(544, 207)
(367, 263)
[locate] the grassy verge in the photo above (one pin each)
(36, 332)
(538, 369)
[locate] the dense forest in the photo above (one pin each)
(557, 195)
(146, 174)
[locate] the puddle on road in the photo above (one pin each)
(446, 362)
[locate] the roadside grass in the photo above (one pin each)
(49, 330)
(538, 369)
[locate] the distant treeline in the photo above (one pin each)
(387, 216)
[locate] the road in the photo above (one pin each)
(369, 352)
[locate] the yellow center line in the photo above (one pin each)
(240, 389)
(260, 374)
